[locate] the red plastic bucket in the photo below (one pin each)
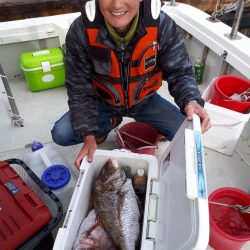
(229, 229)
(227, 85)
(138, 137)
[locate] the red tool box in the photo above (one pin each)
(23, 215)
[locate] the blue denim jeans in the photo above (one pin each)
(154, 110)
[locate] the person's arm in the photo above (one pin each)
(88, 149)
(81, 97)
(178, 72)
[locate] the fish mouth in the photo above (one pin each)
(110, 168)
(107, 173)
(111, 177)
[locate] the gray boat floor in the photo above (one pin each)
(41, 109)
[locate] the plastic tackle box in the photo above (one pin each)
(25, 218)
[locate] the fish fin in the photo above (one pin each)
(88, 243)
(99, 221)
(91, 200)
(92, 228)
(95, 242)
(120, 206)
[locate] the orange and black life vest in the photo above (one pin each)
(142, 77)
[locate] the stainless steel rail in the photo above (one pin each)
(9, 101)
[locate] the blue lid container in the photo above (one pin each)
(56, 177)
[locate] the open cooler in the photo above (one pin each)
(176, 206)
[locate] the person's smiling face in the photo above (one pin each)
(119, 13)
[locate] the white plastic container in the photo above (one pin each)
(175, 215)
(227, 125)
(47, 158)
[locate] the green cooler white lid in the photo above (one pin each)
(33, 60)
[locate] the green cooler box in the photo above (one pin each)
(43, 69)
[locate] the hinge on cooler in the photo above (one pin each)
(154, 186)
(66, 221)
(151, 230)
(152, 209)
(80, 178)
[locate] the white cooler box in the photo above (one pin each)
(176, 206)
(227, 125)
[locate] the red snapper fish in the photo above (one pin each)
(116, 206)
(92, 236)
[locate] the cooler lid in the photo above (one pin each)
(56, 176)
(182, 214)
(34, 59)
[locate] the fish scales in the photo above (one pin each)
(116, 206)
(91, 235)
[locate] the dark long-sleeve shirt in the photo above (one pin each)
(173, 60)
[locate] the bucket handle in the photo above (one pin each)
(147, 147)
(125, 144)
(137, 138)
(41, 52)
(131, 147)
(121, 139)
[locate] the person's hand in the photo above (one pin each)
(194, 108)
(88, 150)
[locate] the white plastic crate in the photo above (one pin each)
(174, 218)
(227, 125)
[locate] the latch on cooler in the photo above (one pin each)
(46, 66)
(152, 209)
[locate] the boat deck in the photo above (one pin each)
(41, 109)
